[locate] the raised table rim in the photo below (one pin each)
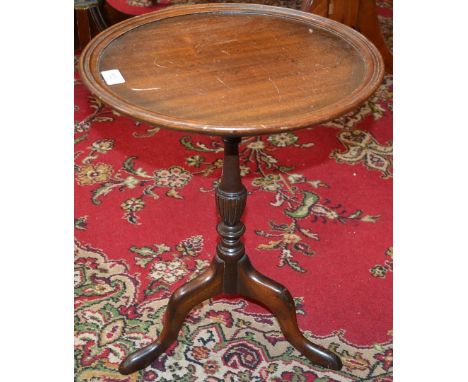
(90, 74)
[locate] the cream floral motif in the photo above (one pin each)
(381, 270)
(270, 182)
(141, 3)
(362, 147)
(191, 246)
(291, 238)
(94, 173)
(168, 266)
(195, 160)
(257, 145)
(133, 205)
(296, 178)
(174, 176)
(103, 145)
(131, 182)
(169, 271)
(283, 139)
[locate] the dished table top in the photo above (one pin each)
(232, 69)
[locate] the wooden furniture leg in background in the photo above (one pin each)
(89, 21)
(358, 14)
(231, 273)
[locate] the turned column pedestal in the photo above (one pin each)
(230, 273)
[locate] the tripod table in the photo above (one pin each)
(231, 70)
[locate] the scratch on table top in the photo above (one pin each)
(276, 87)
(224, 42)
(143, 90)
(224, 83)
(158, 65)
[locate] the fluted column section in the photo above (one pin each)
(231, 196)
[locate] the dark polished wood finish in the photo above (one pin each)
(231, 273)
(357, 14)
(232, 70)
(89, 21)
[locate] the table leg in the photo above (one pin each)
(278, 300)
(89, 21)
(181, 302)
(230, 273)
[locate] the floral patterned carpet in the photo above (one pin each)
(318, 219)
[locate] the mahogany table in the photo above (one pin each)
(231, 70)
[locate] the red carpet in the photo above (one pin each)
(145, 223)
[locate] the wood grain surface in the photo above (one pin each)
(232, 69)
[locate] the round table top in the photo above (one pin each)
(231, 69)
